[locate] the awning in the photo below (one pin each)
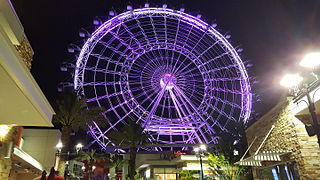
(29, 160)
(256, 160)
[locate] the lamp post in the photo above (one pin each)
(200, 152)
(57, 158)
(297, 88)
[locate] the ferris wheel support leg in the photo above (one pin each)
(154, 107)
(177, 105)
(189, 111)
(195, 110)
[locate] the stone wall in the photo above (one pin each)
(289, 134)
(6, 164)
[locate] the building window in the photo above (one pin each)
(286, 171)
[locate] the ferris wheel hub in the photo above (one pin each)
(168, 81)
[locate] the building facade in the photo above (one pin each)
(22, 103)
(279, 144)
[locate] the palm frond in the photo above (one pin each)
(74, 112)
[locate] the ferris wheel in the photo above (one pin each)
(168, 70)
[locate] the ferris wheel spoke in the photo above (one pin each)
(195, 97)
(176, 67)
(183, 46)
(204, 63)
(192, 105)
(227, 90)
(117, 122)
(164, 105)
(223, 68)
(207, 49)
(223, 113)
(104, 97)
(193, 75)
(105, 71)
(143, 32)
(225, 102)
(215, 58)
(128, 46)
(176, 34)
(107, 59)
(118, 105)
(132, 36)
(96, 139)
(184, 104)
(199, 40)
(104, 83)
(114, 49)
(139, 89)
(155, 105)
(198, 127)
(233, 79)
(165, 30)
(193, 70)
(154, 29)
(177, 105)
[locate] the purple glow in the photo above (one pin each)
(168, 70)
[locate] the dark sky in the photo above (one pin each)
(273, 33)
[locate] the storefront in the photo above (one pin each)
(151, 166)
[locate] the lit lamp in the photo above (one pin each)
(4, 130)
(59, 146)
(57, 159)
(79, 146)
(296, 88)
(200, 152)
(311, 60)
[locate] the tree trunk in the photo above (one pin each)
(65, 140)
(132, 163)
(65, 137)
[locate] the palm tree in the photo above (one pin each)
(72, 114)
(222, 167)
(188, 175)
(130, 136)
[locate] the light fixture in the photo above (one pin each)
(291, 80)
(203, 147)
(79, 146)
(59, 146)
(311, 60)
(235, 152)
(4, 130)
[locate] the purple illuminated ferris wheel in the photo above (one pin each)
(170, 71)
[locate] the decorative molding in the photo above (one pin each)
(25, 52)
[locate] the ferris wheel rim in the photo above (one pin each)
(81, 60)
(205, 102)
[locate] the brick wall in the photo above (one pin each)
(289, 134)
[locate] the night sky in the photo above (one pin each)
(275, 34)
